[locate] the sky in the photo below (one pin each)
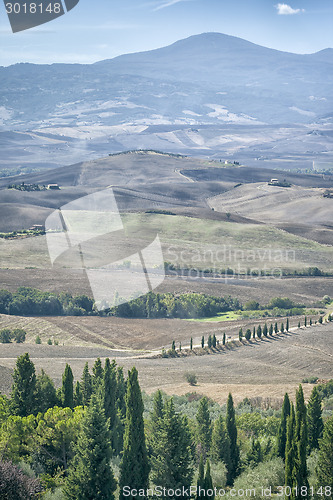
(102, 29)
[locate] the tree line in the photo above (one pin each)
(31, 302)
(90, 437)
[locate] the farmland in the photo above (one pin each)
(209, 218)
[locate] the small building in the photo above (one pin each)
(53, 186)
(274, 181)
(37, 227)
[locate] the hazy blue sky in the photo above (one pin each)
(102, 29)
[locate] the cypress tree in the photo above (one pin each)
(265, 330)
(86, 385)
(23, 398)
(224, 339)
(315, 421)
(291, 451)
(220, 447)
(287, 325)
(232, 435)
(259, 332)
(311, 321)
(109, 390)
(134, 467)
(78, 394)
(208, 481)
(299, 325)
(254, 332)
(282, 432)
(302, 438)
(305, 321)
(282, 328)
(240, 334)
(121, 411)
(325, 462)
(276, 329)
(97, 375)
(209, 344)
(271, 329)
(201, 480)
(46, 394)
(67, 389)
(248, 334)
(214, 341)
(202, 341)
(89, 474)
(204, 427)
(191, 343)
(157, 413)
(173, 346)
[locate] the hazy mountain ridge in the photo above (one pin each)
(177, 98)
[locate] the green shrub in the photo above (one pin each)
(38, 340)
(191, 378)
(19, 335)
(5, 336)
(265, 475)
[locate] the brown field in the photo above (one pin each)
(301, 290)
(266, 368)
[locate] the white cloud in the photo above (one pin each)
(168, 3)
(285, 10)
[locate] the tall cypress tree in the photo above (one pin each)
(301, 433)
(46, 394)
(89, 474)
(265, 330)
(208, 481)
(134, 467)
(86, 385)
(78, 394)
(67, 389)
(232, 435)
(109, 391)
(315, 421)
(97, 375)
(282, 432)
(204, 427)
(201, 480)
(325, 462)
(291, 450)
(220, 448)
(121, 411)
(23, 398)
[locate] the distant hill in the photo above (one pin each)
(205, 95)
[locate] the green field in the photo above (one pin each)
(188, 242)
(227, 316)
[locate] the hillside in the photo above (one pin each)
(142, 181)
(269, 367)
